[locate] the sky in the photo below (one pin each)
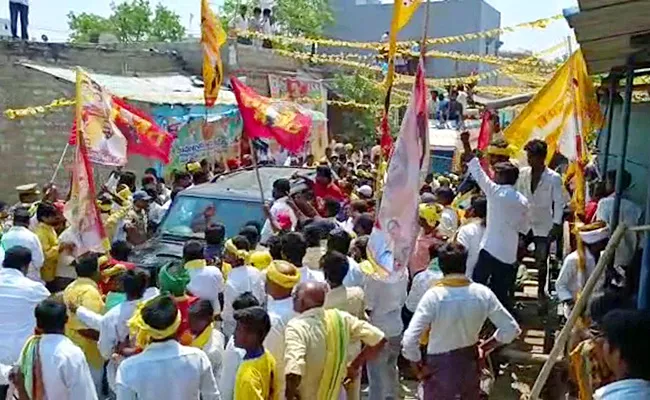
(50, 17)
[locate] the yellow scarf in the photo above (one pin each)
(275, 276)
(500, 151)
(144, 333)
(195, 264)
(453, 281)
(335, 368)
(230, 247)
(200, 341)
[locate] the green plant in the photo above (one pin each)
(132, 21)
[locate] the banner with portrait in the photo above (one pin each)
(311, 94)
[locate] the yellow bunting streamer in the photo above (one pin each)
(286, 40)
(24, 112)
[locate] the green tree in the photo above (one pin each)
(299, 17)
(132, 21)
(360, 125)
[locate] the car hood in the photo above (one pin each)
(156, 252)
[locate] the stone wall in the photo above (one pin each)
(30, 147)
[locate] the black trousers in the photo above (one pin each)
(14, 10)
(542, 246)
(498, 276)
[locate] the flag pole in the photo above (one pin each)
(425, 30)
(60, 164)
(257, 170)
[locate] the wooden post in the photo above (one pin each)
(580, 305)
(58, 166)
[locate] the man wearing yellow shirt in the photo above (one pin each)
(47, 216)
(257, 378)
(85, 292)
(316, 346)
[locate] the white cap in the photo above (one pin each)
(594, 236)
(365, 191)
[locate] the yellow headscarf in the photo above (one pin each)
(144, 333)
(430, 213)
(500, 151)
(195, 264)
(275, 276)
(230, 247)
(260, 259)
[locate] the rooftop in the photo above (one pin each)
(610, 31)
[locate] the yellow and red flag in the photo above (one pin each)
(563, 113)
(212, 38)
(81, 210)
(286, 122)
(112, 128)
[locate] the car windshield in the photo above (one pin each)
(189, 216)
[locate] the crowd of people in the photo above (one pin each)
(294, 308)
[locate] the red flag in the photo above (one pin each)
(114, 128)
(286, 122)
(386, 140)
(484, 137)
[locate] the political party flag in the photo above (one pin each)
(396, 228)
(563, 113)
(286, 122)
(403, 11)
(112, 128)
(81, 210)
(212, 38)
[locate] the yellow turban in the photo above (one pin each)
(104, 206)
(275, 276)
(261, 259)
(430, 213)
(230, 247)
(193, 167)
(144, 333)
(500, 151)
(125, 194)
(349, 146)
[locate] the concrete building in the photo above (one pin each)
(367, 20)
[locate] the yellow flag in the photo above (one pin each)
(403, 10)
(212, 38)
(569, 98)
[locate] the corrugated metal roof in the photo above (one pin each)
(166, 89)
(604, 29)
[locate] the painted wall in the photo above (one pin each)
(638, 149)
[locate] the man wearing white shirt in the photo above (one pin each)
(448, 224)
(542, 187)
(165, 369)
(625, 350)
(281, 189)
(572, 279)
(241, 279)
(206, 281)
(20, 235)
(453, 312)
(471, 233)
(113, 326)
(19, 296)
(384, 302)
(63, 369)
(233, 356)
(281, 278)
(507, 211)
(630, 215)
(339, 240)
(294, 249)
